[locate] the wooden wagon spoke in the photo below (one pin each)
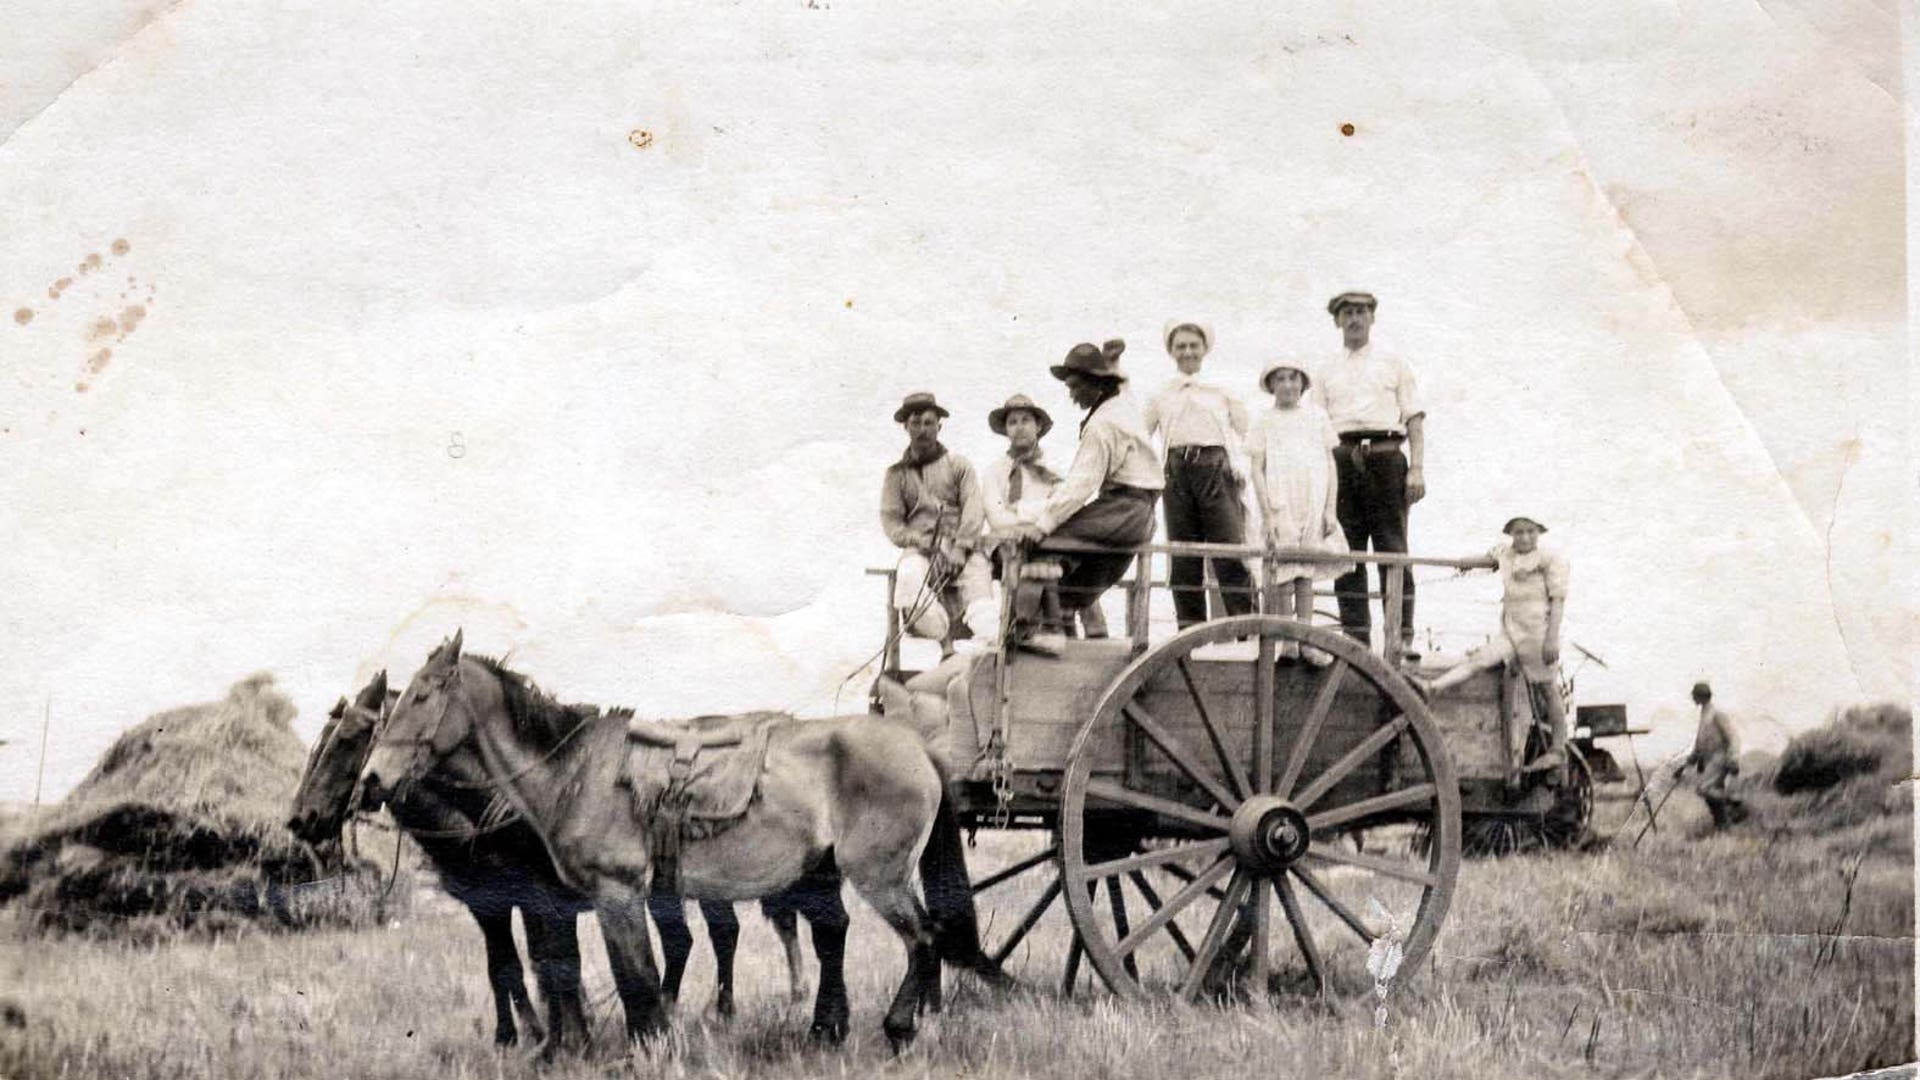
(1216, 936)
(1014, 871)
(1137, 863)
(1262, 939)
(1028, 921)
(1263, 715)
(1153, 901)
(1236, 776)
(1118, 902)
(1164, 913)
(1416, 795)
(1319, 889)
(1183, 874)
(1072, 973)
(1362, 751)
(1112, 792)
(1310, 727)
(1302, 936)
(1169, 745)
(1393, 868)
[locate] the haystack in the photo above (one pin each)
(181, 825)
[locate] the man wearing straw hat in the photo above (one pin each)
(1201, 426)
(1372, 401)
(1108, 494)
(1022, 483)
(931, 508)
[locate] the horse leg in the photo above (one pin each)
(897, 903)
(555, 948)
(623, 924)
(723, 932)
(818, 896)
(782, 913)
(676, 941)
(504, 973)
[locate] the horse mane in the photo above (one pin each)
(536, 714)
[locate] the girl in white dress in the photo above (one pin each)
(1290, 452)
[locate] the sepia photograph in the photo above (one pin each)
(815, 538)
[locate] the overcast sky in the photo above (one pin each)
(582, 327)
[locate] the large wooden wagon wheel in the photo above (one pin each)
(1244, 802)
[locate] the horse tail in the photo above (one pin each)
(943, 874)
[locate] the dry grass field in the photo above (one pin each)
(1750, 953)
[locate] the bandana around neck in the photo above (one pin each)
(1031, 459)
(917, 458)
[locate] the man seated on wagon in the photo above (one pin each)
(1109, 491)
(932, 509)
(1022, 483)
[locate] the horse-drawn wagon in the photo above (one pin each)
(1192, 785)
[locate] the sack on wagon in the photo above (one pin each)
(939, 705)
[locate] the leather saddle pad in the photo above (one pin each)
(690, 778)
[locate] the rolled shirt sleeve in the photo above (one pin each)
(1083, 480)
(1406, 392)
(1556, 568)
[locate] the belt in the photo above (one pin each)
(1366, 439)
(1129, 492)
(1191, 454)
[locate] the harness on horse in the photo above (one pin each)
(693, 779)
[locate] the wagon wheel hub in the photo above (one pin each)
(1268, 834)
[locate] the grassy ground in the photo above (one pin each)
(1728, 955)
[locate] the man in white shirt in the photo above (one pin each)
(1020, 483)
(1372, 401)
(1201, 427)
(1108, 493)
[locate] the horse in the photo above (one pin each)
(493, 865)
(857, 795)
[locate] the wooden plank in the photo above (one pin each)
(1249, 551)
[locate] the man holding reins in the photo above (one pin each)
(932, 509)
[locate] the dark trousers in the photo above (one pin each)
(1203, 504)
(1116, 519)
(1373, 513)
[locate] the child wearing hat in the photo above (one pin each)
(1531, 606)
(1290, 451)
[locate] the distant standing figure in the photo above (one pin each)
(1716, 753)
(1021, 483)
(1532, 604)
(932, 509)
(1372, 401)
(1201, 426)
(1290, 453)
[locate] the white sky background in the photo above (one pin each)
(1648, 261)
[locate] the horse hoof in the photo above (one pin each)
(899, 1038)
(828, 1033)
(505, 1037)
(723, 1008)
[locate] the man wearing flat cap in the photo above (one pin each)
(1108, 493)
(1371, 398)
(1021, 483)
(932, 509)
(1202, 427)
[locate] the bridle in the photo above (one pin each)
(434, 746)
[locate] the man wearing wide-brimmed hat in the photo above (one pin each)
(932, 509)
(1370, 397)
(1022, 483)
(1201, 426)
(1108, 493)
